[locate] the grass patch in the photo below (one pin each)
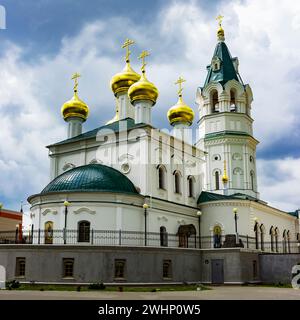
(277, 285)
(82, 288)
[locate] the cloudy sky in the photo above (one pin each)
(46, 41)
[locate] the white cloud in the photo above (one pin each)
(279, 182)
(263, 34)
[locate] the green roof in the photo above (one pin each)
(227, 71)
(121, 125)
(91, 178)
(226, 132)
(210, 196)
(294, 213)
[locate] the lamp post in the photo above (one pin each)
(256, 233)
(17, 233)
(66, 204)
(145, 207)
(235, 210)
(199, 214)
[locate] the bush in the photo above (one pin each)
(78, 288)
(97, 286)
(12, 284)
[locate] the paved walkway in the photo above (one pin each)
(217, 293)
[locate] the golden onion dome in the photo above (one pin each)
(181, 113)
(220, 32)
(225, 178)
(143, 90)
(121, 82)
(75, 108)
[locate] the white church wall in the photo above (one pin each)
(138, 160)
(221, 213)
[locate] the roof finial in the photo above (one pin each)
(180, 82)
(126, 45)
(220, 19)
(225, 177)
(142, 56)
(75, 78)
(220, 33)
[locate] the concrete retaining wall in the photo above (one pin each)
(44, 263)
(277, 268)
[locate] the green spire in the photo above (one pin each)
(221, 68)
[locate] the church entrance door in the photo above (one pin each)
(217, 271)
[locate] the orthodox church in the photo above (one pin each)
(128, 175)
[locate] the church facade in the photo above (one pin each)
(128, 175)
(128, 202)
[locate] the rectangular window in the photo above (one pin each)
(120, 268)
(20, 267)
(68, 267)
(167, 269)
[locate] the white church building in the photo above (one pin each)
(129, 177)
(131, 203)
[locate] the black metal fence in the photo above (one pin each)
(137, 238)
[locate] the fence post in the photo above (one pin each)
(92, 236)
(39, 236)
(120, 237)
(247, 242)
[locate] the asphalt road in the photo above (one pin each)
(217, 293)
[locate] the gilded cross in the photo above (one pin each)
(126, 45)
(180, 82)
(142, 56)
(220, 19)
(75, 78)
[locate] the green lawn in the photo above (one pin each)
(110, 288)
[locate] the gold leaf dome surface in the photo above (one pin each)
(75, 108)
(121, 82)
(181, 113)
(143, 90)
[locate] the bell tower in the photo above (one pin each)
(225, 125)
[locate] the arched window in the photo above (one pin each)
(284, 241)
(187, 236)
(252, 180)
(262, 237)
(84, 231)
(163, 236)
(49, 232)
(217, 180)
(191, 181)
(162, 177)
(256, 231)
(288, 241)
(214, 101)
(276, 238)
(272, 233)
(177, 184)
(232, 101)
